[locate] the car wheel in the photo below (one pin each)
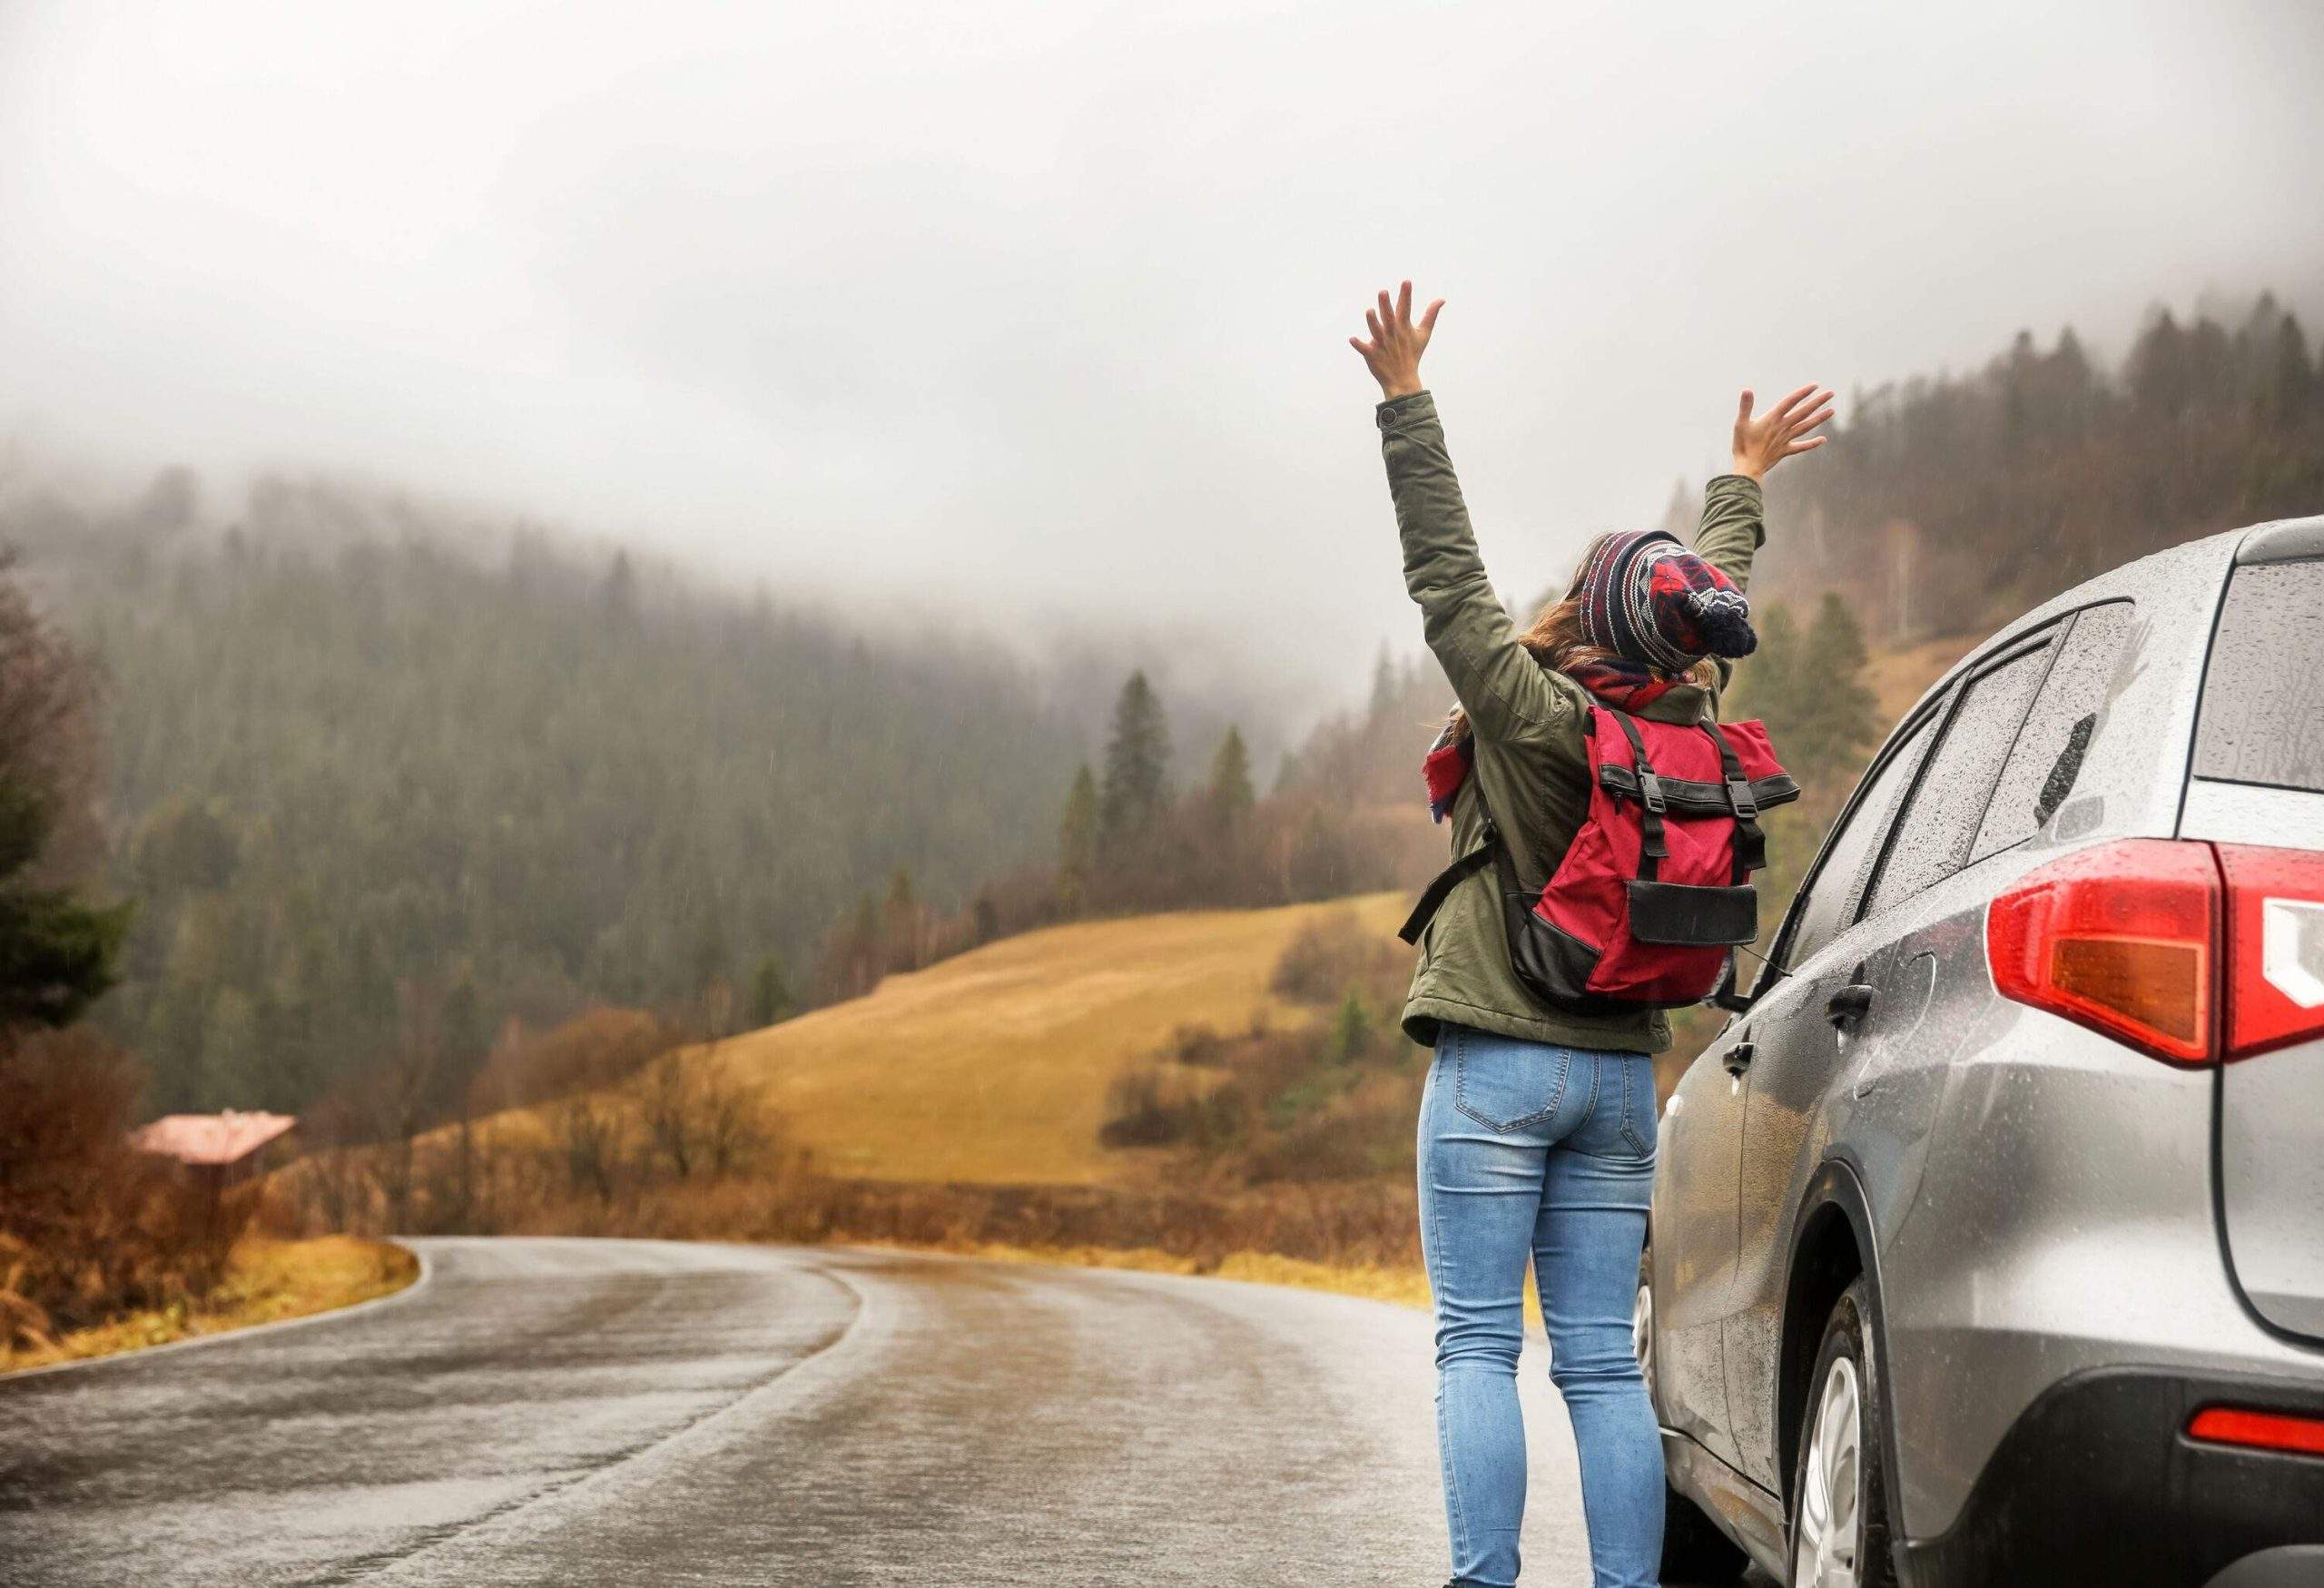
(1839, 1518)
(1693, 1548)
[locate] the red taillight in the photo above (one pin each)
(2125, 937)
(2258, 1430)
(2275, 947)
(2118, 938)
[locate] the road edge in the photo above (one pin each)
(223, 1337)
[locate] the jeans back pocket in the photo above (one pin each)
(1627, 1078)
(1507, 1084)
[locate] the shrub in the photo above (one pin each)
(597, 1049)
(1330, 955)
(89, 1226)
(1145, 1106)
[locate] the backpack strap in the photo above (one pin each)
(1453, 876)
(1750, 843)
(1652, 848)
(1493, 851)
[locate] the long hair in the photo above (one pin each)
(1558, 642)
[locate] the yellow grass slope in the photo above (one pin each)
(266, 1281)
(993, 1067)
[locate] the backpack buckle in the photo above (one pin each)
(1650, 789)
(1739, 798)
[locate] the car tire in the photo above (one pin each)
(1839, 1515)
(1693, 1548)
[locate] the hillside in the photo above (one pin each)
(994, 1067)
(1953, 502)
(381, 778)
(1208, 1086)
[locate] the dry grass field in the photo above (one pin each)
(266, 1281)
(993, 1068)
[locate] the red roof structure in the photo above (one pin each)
(210, 1139)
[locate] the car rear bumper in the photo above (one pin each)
(2097, 1482)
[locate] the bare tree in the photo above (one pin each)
(588, 1133)
(671, 1108)
(736, 1129)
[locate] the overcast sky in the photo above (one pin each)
(1022, 309)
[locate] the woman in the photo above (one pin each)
(1537, 1126)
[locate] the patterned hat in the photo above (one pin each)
(1646, 597)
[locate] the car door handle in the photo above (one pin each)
(1851, 1004)
(1738, 1058)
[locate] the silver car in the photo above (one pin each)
(1988, 1237)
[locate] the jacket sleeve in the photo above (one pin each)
(1506, 693)
(1734, 526)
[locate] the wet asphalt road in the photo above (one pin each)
(640, 1411)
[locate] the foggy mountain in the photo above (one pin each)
(355, 766)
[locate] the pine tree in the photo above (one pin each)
(1765, 687)
(1383, 685)
(1839, 715)
(2162, 373)
(770, 993)
(57, 955)
(855, 957)
(2018, 374)
(1077, 841)
(2287, 385)
(1231, 796)
(467, 1040)
(619, 595)
(1351, 1029)
(902, 923)
(710, 950)
(2073, 385)
(1683, 511)
(232, 1064)
(1138, 765)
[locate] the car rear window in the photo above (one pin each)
(2262, 718)
(1933, 836)
(2047, 757)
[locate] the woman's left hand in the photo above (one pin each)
(1397, 342)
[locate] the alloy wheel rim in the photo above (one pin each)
(1831, 1525)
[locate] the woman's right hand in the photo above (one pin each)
(1762, 443)
(1397, 342)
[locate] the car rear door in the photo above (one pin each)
(2256, 790)
(1844, 1055)
(1696, 1186)
(1794, 1052)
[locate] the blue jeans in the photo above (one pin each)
(1529, 1149)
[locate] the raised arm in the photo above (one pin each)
(1734, 524)
(1734, 513)
(1499, 682)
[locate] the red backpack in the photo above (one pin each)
(1655, 890)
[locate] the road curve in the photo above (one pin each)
(646, 1412)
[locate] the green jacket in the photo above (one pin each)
(1530, 756)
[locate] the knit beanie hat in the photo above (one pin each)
(1648, 599)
